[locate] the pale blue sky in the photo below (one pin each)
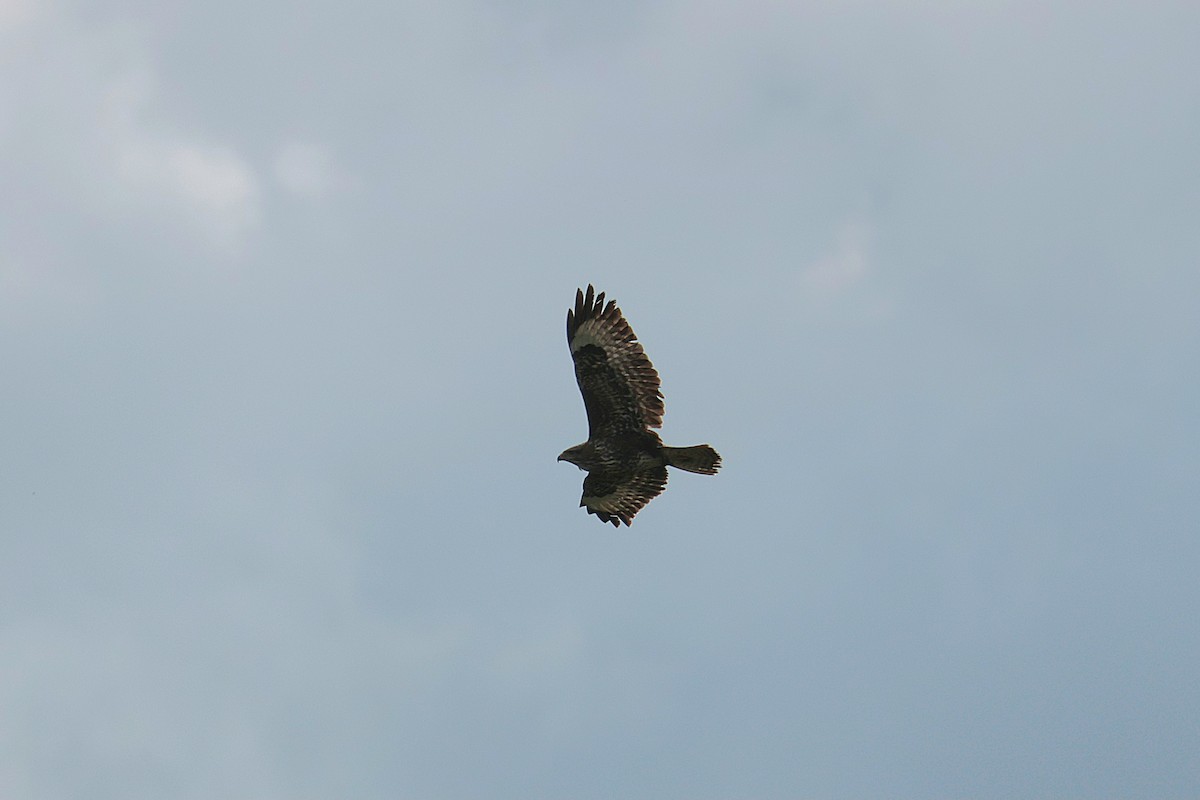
(282, 292)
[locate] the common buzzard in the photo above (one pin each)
(625, 460)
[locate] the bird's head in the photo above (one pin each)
(573, 455)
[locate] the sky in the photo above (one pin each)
(282, 296)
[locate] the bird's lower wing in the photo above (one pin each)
(616, 498)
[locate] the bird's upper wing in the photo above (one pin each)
(616, 498)
(619, 384)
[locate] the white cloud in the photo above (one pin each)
(84, 125)
(211, 185)
(207, 185)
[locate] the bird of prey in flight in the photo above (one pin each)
(625, 459)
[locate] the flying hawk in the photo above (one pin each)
(625, 460)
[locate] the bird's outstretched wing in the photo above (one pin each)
(617, 497)
(620, 386)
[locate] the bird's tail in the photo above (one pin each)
(698, 458)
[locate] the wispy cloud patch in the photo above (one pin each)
(85, 125)
(844, 267)
(14, 13)
(214, 189)
(208, 185)
(309, 171)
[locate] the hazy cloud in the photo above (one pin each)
(216, 191)
(90, 126)
(842, 269)
(14, 13)
(308, 170)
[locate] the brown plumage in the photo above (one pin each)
(626, 461)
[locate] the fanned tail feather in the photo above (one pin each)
(699, 458)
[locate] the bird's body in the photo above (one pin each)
(625, 460)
